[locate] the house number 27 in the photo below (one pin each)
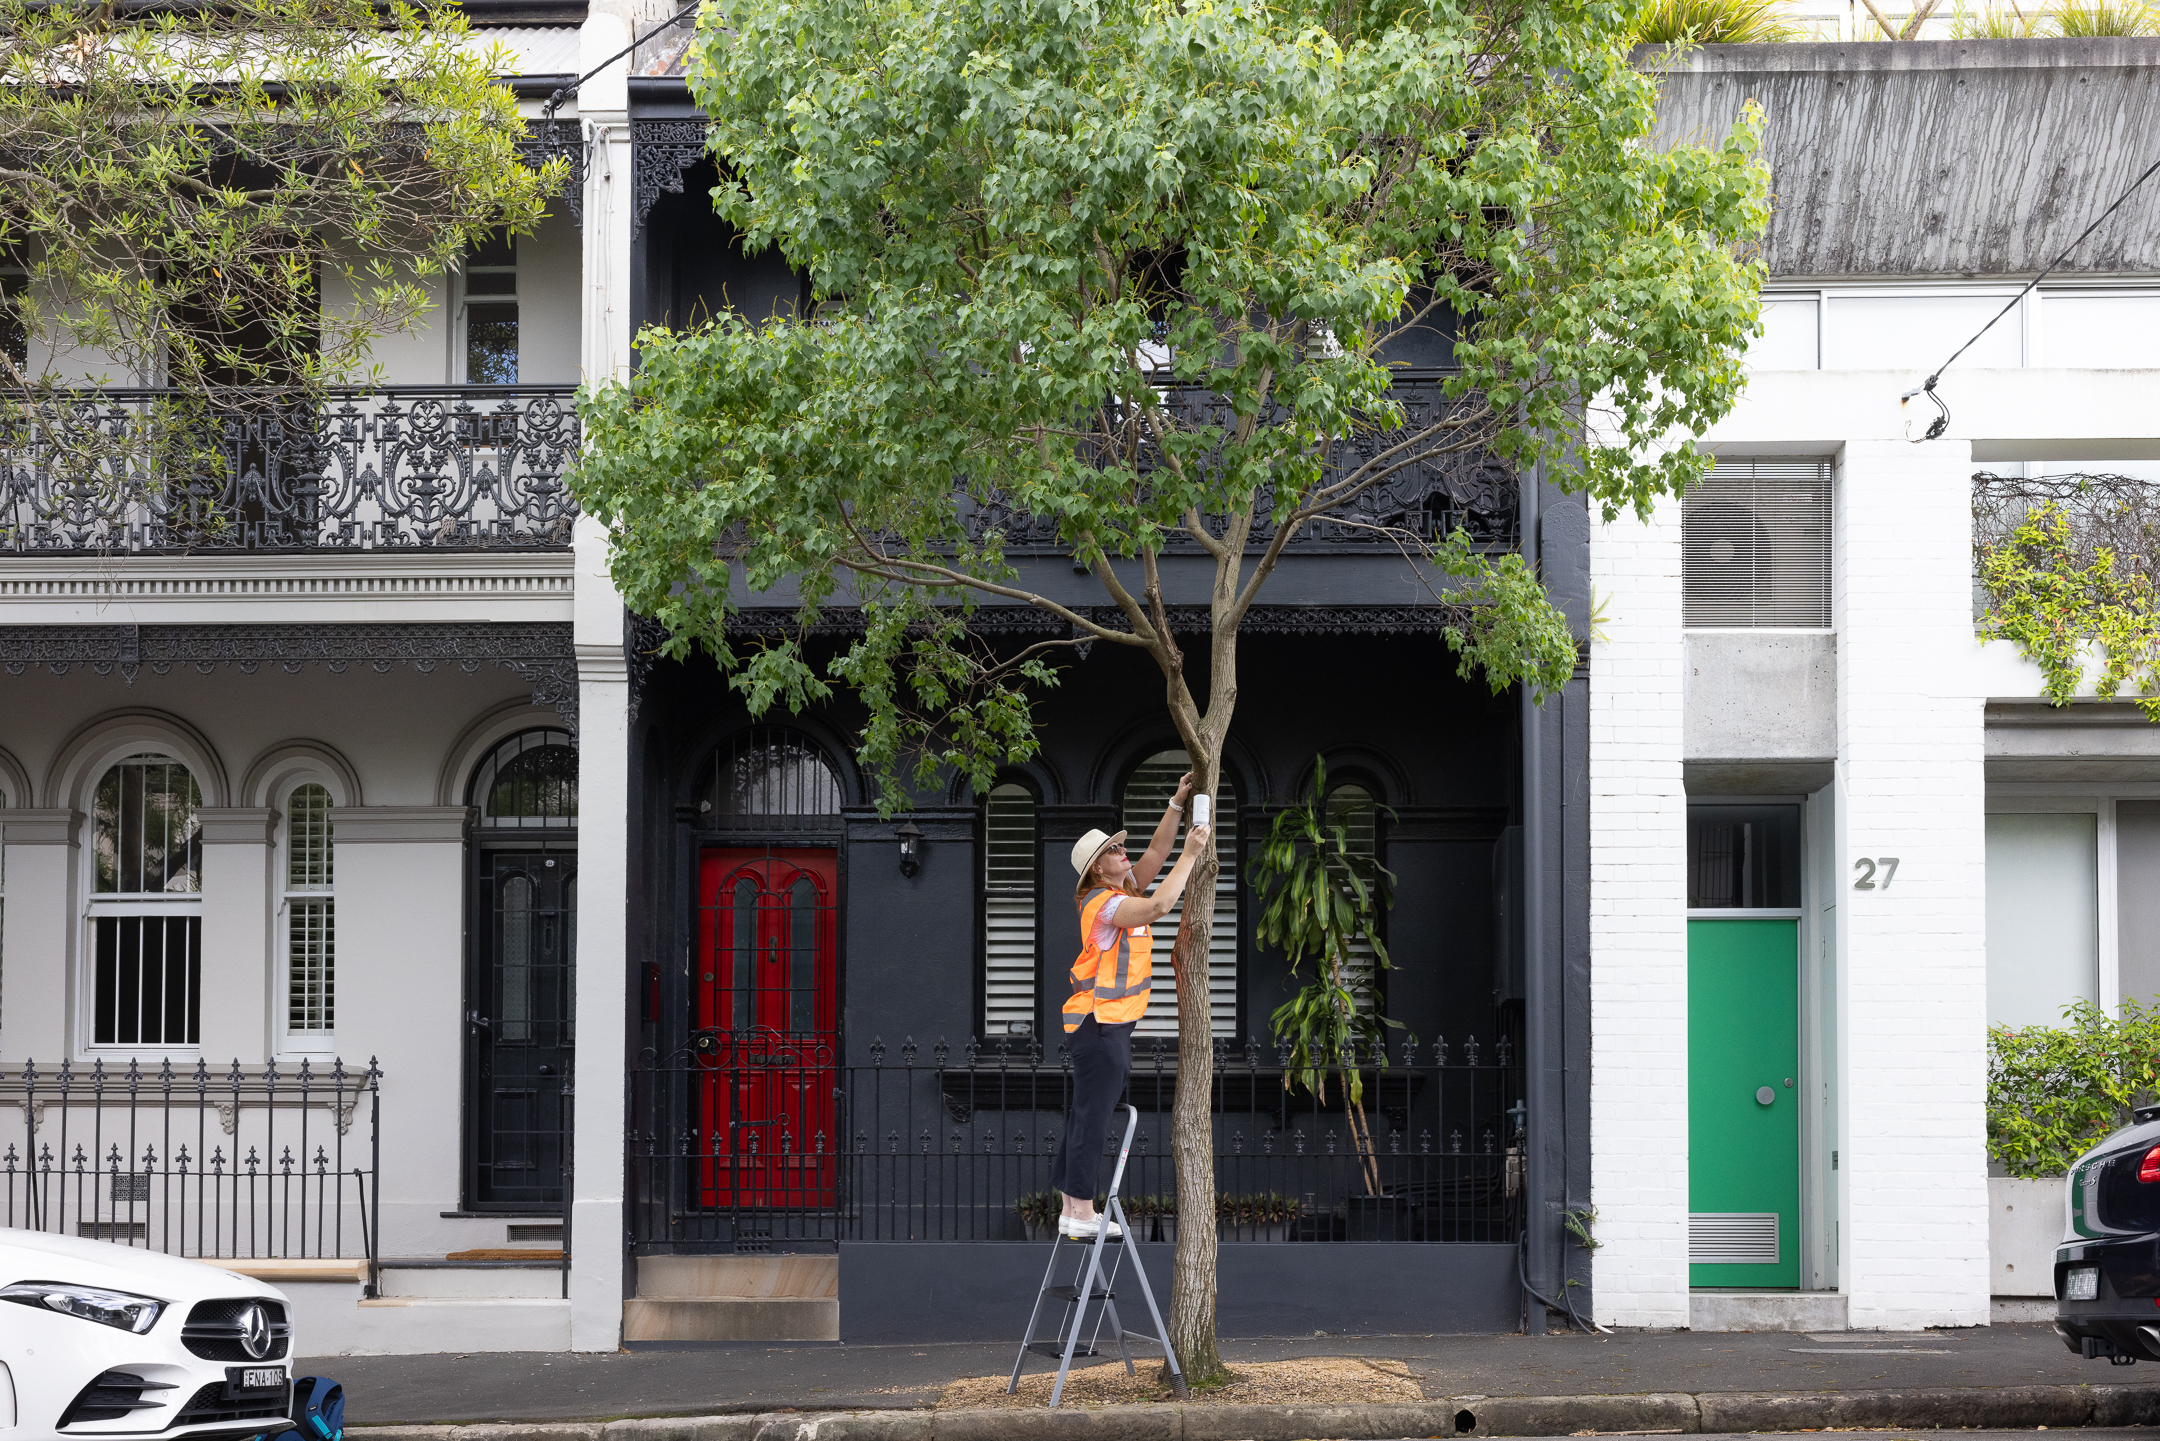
(1867, 869)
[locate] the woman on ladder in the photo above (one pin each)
(1110, 984)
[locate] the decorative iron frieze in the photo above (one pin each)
(661, 150)
(539, 653)
(406, 467)
(546, 139)
(642, 638)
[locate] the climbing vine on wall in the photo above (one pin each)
(2067, 566)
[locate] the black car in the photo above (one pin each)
(2107, 1270)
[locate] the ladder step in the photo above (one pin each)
(1072, 1293)
(1056, 1352)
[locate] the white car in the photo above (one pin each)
(105, 1340)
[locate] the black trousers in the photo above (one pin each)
(1101, 1060)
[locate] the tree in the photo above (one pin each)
(1131, 269)
(230, 200)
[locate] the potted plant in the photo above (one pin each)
(1322, 898)
(1038, 1212)
(1262, 1217)
(1163, 1209)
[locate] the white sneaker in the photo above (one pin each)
(1086, 1230)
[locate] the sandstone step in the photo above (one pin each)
(767, 1278)
(732, 1318)
(541, 1280)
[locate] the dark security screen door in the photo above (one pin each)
(520, 1025)
(766, 1013)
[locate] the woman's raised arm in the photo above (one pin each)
(1149, 864)
(1147, 910)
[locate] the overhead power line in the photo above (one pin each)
(555, 100)
(1942, 421)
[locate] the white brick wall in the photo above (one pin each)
(1913, 957)
(1638, 926)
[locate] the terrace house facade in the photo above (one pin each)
(378, 912)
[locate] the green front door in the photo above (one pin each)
(1744, 1103)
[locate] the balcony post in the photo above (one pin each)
(603, 962)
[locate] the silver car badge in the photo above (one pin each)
(255, 1333)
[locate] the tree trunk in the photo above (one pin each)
(1192, 1123)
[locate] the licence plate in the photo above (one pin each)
(254, 1378)
(2084, 1284)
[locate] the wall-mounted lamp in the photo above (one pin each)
(911, 840)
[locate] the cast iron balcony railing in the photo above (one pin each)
(261, 1162)
(1424, 501)
(401, 468)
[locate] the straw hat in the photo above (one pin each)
(1090, 846)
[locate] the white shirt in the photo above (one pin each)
(1106, 928)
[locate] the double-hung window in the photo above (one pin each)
(145, 912)
(310, 904)
(491, 312)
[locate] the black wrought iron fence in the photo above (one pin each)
(267, 1162)
(475, 467)
(746, 1143)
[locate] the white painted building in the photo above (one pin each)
(1834, 836)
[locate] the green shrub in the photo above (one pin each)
(2054, 1090)
(1039, 1208)
(1265, 1208)
(1713, 22)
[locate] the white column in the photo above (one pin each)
(237, 978)
(1912, 956)
(401, 1000)
(37, 947)
(596, 1266)
(1638, 926)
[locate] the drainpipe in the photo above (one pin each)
(1537, 1045)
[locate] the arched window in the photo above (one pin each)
(1352, 807)
(528, 781)
(1010, 858)
(146, 905)
(1147, 791)
(766, 778)
(310, 916)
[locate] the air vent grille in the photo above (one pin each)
(1733, 1238)
(1755, 543)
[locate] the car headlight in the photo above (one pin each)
(88, 1303)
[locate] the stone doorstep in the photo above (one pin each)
(731, 1318)
(2007, 1407)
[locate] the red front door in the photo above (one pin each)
(766, 1019)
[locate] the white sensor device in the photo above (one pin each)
(1200, 809)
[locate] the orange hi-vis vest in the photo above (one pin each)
(1110, 984)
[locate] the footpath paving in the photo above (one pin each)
(2006, 1376)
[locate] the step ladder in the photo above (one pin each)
(1092, 1282)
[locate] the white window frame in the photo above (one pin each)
(467, 300)
(290, 1041)
(112, 905)
(2042, 799)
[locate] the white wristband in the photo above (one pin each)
(1175, 806)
